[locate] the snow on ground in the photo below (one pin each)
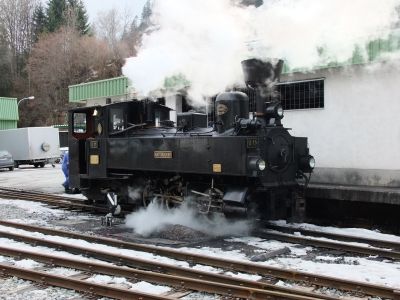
(31, 207)
(146, 287)
(352, 268)
(359, 269)
(141, 286)
(49, 179)
(18, 289)
(100, 247)
(357, 232)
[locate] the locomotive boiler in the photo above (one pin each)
(242, 161)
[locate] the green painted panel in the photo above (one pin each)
(8, 109)
(7, 124)
(98, 89)
(361, 54)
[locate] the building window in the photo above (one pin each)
(302, 94)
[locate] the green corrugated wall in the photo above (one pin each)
(8, 113)
(8, 124)
(373, 51)
(98, 89)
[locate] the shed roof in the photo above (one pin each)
(9, 109)
(98, 89)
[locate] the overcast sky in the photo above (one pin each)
(93, 7)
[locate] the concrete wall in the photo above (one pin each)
(175, 102)
(355, 138)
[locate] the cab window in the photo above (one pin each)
(80, 125)
(117, 121)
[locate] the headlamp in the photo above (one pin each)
(261, 164)
(257, 164)
(279, 111)
(274, 110)
(311, 162)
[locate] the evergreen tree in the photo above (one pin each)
(146, 15)
(55, 14)
(67, 12)
(80, 15)
(39, 22)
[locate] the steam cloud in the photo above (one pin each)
(205, 40)
(155, 217)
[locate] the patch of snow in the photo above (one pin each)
(357, 232)
(200, 296)
(271, 245)
(283, 284)
(365, 271)
(9, 286)
(63, 271)
(27, 264)
(205, 268)
(105, 279)
(244, 276)
(32, 207)
(75, 196)
(215, 252)
(146, 287)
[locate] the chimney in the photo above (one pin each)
(261, 76)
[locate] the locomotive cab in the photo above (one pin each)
(91, 126)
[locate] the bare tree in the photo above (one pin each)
(112, 26)
(16, 18)
(60, 59)
(5, 64)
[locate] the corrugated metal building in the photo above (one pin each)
(96, 92)
(8, 113)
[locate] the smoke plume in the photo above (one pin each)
(154, 218)
(205, 40)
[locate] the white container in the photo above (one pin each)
(31, 145)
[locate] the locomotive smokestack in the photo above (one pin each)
(261, 76)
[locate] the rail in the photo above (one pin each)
(227, 264)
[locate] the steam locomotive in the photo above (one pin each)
(242, 161)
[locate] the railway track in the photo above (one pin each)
(309, 237)
(287, 236)
(73, 203)
(53, 200)
(48, 279)
(178, 276)
(36, 194)
(179, 282)
(343, 247)
(334, 236)
(226, 264)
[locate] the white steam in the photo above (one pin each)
(135, 193)
(154, 218)
(205, 40)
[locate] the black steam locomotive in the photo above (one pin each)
(242, 160)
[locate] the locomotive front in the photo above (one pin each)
(246, 161)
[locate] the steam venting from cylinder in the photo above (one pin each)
(261, 76)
